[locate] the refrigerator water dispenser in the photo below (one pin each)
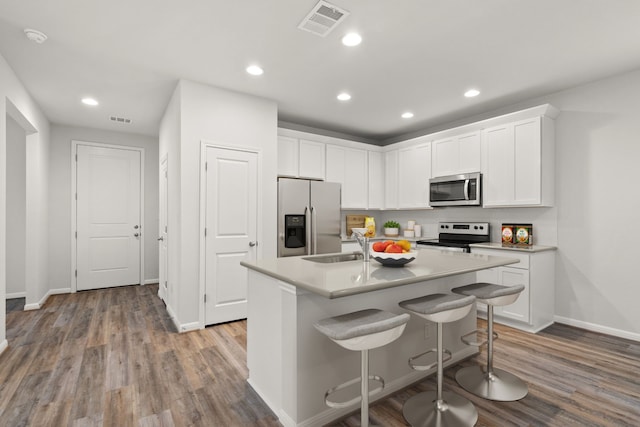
(294, 231)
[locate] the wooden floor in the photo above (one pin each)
(112, 358)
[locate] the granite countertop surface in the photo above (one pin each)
(334, 280)
(529, 249)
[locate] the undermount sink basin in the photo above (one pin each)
(328, 259)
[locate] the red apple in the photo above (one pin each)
(394, 249)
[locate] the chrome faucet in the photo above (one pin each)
(363, 241)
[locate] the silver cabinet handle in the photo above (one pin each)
(252, 244)
(160, 239)
(136, 234)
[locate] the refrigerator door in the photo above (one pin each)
(294, 214)
(325, 217)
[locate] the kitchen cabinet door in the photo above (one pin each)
(376, 180)
(391, 179)
(457, 154)
(414, 172)
(519, 310)
(287, 156)
(517, 164)
(311, 159)
(348, 167)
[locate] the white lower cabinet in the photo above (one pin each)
(535, 307)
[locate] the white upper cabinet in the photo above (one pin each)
(300, 158)
(376, 180)
(457, 154)
(348, 166)
(391, 179)
(518, 163)
(414, 172)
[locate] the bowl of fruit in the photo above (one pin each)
(392, 254)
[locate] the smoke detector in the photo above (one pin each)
(323, 18)
(35, 35)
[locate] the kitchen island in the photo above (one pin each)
(291, 364)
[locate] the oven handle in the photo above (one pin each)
(466, 189)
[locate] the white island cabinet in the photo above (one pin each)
(291, 364)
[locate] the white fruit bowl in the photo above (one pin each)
(393, 259)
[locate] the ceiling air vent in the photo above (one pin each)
(323, 18)
(120, 120)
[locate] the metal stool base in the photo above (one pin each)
(500, 385)
(422, 411)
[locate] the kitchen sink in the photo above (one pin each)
(329, 259)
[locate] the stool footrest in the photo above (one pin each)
(468, 341)
(430, 366)
(332, 404)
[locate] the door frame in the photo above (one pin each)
(204, 145)
(74, 203)
(163, 187)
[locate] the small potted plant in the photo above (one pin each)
(391, 229)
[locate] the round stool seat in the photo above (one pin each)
(364, 329)
(491, 294)
(440, 308)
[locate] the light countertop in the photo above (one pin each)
(352, 277)
(529, 249)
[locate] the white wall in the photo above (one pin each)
(16, 209)
(224, 117)
(16, 101)
(60, 193)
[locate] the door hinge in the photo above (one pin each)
(205, 298)
(206, 166)
(76, 273)
(76, 234)
(76, 157)
(205, 232)
(76, 196)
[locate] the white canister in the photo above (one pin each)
(417, 231)
(408, 233)
(410, 224)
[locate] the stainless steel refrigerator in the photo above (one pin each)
(308, 217)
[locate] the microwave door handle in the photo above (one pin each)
(466, 189)
(307, 229)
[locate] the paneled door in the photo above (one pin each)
(163, 230)
(231, 205)
(108, 217)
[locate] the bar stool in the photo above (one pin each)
(490, 383)
(362, 331)
(439, 408)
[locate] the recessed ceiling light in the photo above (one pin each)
(35, 35)
(254, 70)
(352, 39)
(344, 96)
(471, 93)
(407, 115)
(89, 101)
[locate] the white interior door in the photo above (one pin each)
(230, 221)
(108, 217)
(163, 227)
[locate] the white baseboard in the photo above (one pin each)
(39, 304)
(186, 327)
(3, 345)
(151, 281)
(14, 295)
(598, 328)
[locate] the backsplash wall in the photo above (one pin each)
(544, 220)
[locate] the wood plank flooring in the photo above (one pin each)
(113, 358)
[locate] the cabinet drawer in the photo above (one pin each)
(523, 259)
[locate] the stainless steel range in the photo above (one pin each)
(457, 236)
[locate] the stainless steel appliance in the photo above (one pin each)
(456, 190)
(457, 236)
(308, 217)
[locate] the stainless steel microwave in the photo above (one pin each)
(456, 190)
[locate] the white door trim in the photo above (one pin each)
(204, 144)
(74, 202)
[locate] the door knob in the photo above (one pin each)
(136, 226)
(135, 234)
(252, 244)
(160, 239)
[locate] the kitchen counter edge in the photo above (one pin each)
(528, 249)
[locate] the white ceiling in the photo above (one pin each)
(418, 55)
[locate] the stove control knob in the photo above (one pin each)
(475, 227)
(481, 227)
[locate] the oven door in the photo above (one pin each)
(455, 190)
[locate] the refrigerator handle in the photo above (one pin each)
(307, 219)
(314, 229)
